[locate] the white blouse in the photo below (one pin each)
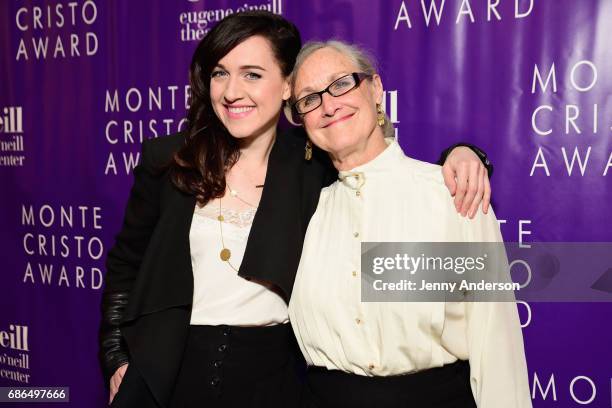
(220, 296)
(399, 199)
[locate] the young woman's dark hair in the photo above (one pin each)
(199, 167)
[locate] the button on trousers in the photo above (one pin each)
(229, 366)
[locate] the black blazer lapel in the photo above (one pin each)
(275, 242)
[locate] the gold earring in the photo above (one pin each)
(380, 115)
(308, 150)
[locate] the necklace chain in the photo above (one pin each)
(225, 254)
(247, 175)
(234, 193)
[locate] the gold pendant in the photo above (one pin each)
(225, 254)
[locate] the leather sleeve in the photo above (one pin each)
(113, 351)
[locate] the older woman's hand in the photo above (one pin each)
(115, 382)
(467, 180)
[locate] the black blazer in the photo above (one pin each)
(149, 271)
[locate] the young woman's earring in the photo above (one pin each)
(308, 150)
(380, 115)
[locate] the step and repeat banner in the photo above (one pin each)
(83, 83)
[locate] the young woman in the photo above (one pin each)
(197, 284)
(387, 354)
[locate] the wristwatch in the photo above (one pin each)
(479, 152)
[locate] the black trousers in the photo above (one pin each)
(443, 387)
(228, 366)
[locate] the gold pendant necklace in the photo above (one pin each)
(225, 254)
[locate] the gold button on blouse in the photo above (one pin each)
(358, 320)
(354, 273)
(356, 234)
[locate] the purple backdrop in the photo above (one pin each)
(83, 82)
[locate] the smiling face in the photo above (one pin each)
(343, 124)
(247, 89)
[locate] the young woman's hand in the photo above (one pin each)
(467, 180)
(115, 382)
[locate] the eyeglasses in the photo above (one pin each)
(339, 87)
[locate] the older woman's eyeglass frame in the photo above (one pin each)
(355, 77)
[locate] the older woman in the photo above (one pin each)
(387, 354)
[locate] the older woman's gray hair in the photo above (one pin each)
(361, 58)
